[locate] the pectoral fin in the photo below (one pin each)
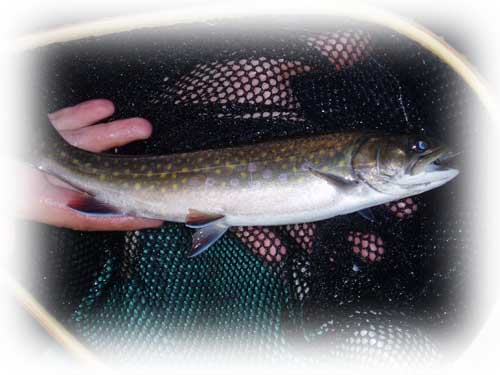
(341, 181)
(204, 237)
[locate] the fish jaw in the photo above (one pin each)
(433, 177)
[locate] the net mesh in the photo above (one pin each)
(365, 290)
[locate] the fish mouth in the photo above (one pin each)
(435, 160)
(430, 170)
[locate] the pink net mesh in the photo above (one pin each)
(262, 241)
(257, 81)
(265, 82)
(368, 246)
(403, 209)
(303, 234)
(342, 47)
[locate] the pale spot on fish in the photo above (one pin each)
(267, 174)
(137, 186)
(283, 177)
(194, 181)
(254, 184)
(234, 182)
(209, 181)
(252, 167)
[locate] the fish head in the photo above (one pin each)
(403, 165)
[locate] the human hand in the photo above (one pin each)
(45, 198)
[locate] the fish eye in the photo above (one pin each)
(420, 146)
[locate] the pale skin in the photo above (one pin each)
(46, 198)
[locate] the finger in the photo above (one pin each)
(47, 203)
(101, 137)
(82, 114)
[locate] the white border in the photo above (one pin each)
(482, 18)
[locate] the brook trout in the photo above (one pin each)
(273, 183)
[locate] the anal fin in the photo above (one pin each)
(88, 205)
(206, 236)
